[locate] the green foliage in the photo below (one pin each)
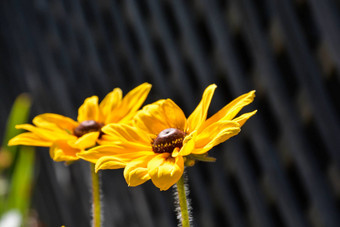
(21, 180)
(18, 115)
(16, 164)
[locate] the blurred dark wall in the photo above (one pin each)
(284, 167)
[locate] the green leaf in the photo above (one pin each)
(21, 182)
(202, 157)
(17, 179)
(18, 115)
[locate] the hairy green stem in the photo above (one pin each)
(183, 203)
(96, 209)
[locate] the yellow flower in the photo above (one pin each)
(161, 139)
(67, 137)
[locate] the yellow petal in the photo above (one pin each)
(109, 162)
(46, 134)
(210, 133)
(131, 103)
(60, 151)
(188, 144)
(118, 161)
(126, 133)
(150, 118)
(160, 115)
(244, 117)
(89, 110)
(173, 115)
(199, 115)
(85, 141)
(165, 170)
(92, 155)
(123, 152)
(175, 152)
(232, 109)
(136, 171)
(29, 139)
(109, 103)
(214, 135)
(106, 139)
(55, 121)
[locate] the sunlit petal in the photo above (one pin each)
(89, 110)
(199, 115)
(109, 103)
(46, 134)
(119, 160)
(136, 171)
(131, 102)
(232, 109)
(244, 117)
(188, 145)
(29, 139)
(126, 133)
(125, 151)
(109, 162)
(165, 170)
(210, 133)
(160, 115)
(85, 141)
(61, 151)
(214, 135)
(55, 121)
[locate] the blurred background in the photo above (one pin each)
(283, 169)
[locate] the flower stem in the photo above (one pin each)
(183, 203)
(96, 209)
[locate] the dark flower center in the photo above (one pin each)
(167, 140)
(86, 127)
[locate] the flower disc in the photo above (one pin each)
(167, 140)
(86, 127)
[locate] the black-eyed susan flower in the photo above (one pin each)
(67, 137)
(161, 139)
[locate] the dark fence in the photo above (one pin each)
(284, 167)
